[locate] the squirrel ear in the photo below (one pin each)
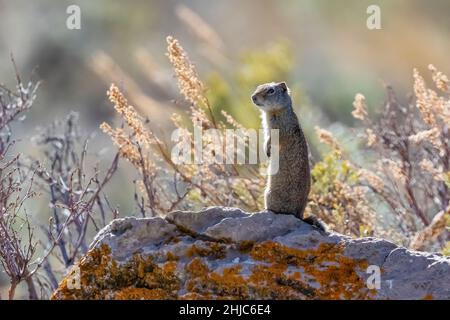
(283, 86)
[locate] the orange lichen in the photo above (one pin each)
(170, 256)
(270, 282)
(228, 284)
(197, 268)
(245, 246)
(170, 267)
(101, 277)
(212, 250)
(428, 297)
(280, 272)
(195, 296)
(335, 274)
(133, 293)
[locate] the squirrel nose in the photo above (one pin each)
(254, 98)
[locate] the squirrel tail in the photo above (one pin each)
(316, 222)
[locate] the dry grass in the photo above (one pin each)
(411, 145)
(409, 172)
(165, 185)
(401, 192)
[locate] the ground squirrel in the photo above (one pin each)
(287, 190)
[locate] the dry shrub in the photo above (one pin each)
(400, 193)
(412, 147)
(409, 174)
(75, 197)
(337, 197)
(75, 194)
(17, 240)
(164, 184)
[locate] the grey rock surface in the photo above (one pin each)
(277, 240)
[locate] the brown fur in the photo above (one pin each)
(287, 191)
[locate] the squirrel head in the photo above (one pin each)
(272, 97)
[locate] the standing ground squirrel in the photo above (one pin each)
(287, 190)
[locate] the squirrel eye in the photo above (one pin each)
(271, 91)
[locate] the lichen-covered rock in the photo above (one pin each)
(226, 253)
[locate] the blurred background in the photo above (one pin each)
(321, 47)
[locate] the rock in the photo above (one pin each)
(228, 253)
(129, 235)
(253, 227)
(198, 222)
